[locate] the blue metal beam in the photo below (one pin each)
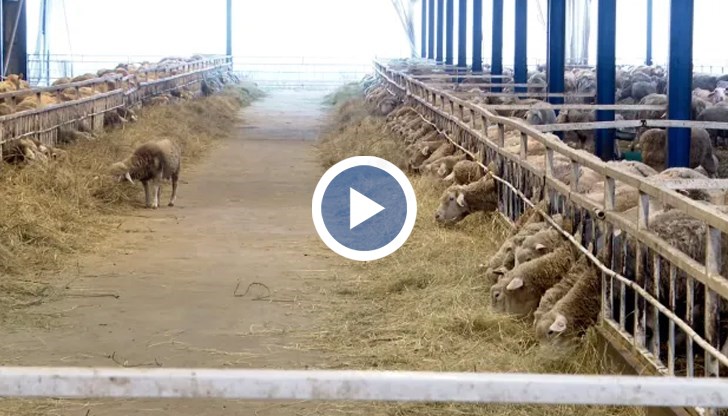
(648, 58)
(520, 62)
(462, 33)
(431, 29)
(440, 30)
(556, 48)
(423, 30)
(450, 29)
(496, 67)
(606, 27)
(229, 31)
(680, 80)
(477, 65)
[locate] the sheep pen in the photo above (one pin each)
(57, 209)
(426, 307)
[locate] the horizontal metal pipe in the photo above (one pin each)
(362, 385)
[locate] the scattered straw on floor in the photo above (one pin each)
(426, 308)
(51, 212)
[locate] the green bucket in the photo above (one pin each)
(636, 156)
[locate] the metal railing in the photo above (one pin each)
(481, 133)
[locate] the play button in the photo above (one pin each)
(364, 208)
(361, 208)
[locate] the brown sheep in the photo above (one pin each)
(151, 161)
(459, 201)
(578, 310)
(652, 145)
(529, 281)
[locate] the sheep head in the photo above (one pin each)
(120, 170)
(553, 329)
(453, 207)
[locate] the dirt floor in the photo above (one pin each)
(164, 291)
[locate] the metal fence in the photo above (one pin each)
(647, 284)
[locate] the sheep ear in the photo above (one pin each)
(128, 177)
(425, 150)
(540, 247)
(559, 324)
(515, 284)
(461, 199)
(501, 270)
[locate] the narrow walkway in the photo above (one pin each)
(243, 215)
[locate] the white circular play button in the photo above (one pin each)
(364, 208)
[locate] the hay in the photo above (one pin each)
(53, 211)
(352, 131)
(426, 308)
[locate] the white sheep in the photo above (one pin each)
(459, 201)
(151, 161)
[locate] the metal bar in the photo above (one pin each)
(477, 65)
(9, 52)
(450, 31)
(648, 58)
(556, 48)
(496, 65)
(462, 33)
(362, 386)
(423, 30)
(520, 62)
(680, 81)
(431, 29)
(606, 49)
(440, 30)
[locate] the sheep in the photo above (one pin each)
(459, 201)
(151, 161)
(504, 259)
(527, 282)
(557, 291)
(541, 113)
(718, 113)
(574, 313)
(445, 149)
(583, 138)
(464, 172)
(538, 245)
(652, 145)
(442, 166)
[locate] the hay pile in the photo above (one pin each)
(426, 308)
(51, 211)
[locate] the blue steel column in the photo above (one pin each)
(680, 79)
(462, 33)
(497, 45)
(423, 30)
(477, 65)
(520, 62)
(606, 26)
(431, 29)
(450, 32)
(556, 48)
(440, 29)
(648, 59)
(229, 31)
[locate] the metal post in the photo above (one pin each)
(556, 48)
(680, 79)
(520, 62)
(229, 32)
(440, 30)
(450, 31)
(462, 33)
(423, 32)
(648, 59)
(496, 67)
(477, 65)
(606, 26)
(431, 29)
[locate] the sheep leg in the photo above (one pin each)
(173, 198)
(155, 184)
(147, 196)
(159, 193)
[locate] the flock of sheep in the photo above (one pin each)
(28, 150)
(537, 273)
(643, 85)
